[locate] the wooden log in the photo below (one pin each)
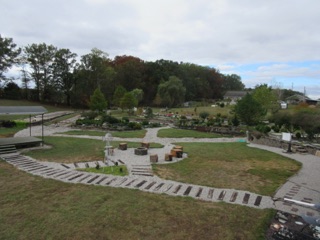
(154, 158)
(168, 157)
(123, 146)
(145, 145)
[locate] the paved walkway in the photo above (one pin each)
(304, 186)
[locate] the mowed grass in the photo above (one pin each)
(230, 165)
(124, 134)
(183, 133)
(71, 149)
(37, 208)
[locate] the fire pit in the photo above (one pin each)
(141, 151)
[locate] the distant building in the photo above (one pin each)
(297, 98)
(234, 95)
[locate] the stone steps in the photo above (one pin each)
(7, 149)
(143, 183)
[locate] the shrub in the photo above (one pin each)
(8, 124)
(275, 128)
(145, 123)
(134, 125)
(90, 115)
(204, 115)
(298, 135)
(110, 119)
(263, 128)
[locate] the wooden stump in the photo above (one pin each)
(123, 146)
(154, 158)
(168, 157)
(145, 145)
(178, 147)
(179, 153)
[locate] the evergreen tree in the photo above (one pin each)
(98, 101)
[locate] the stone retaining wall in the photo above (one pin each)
(274, 142)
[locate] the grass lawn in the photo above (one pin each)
(230, 165)
(182, 133)
(114, 170)
(37, 208)
(70, 150)
(124, 134)
(9, 132)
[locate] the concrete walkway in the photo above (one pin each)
(304, 186)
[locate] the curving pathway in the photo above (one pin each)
(304, 186)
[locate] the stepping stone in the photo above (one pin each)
(92, 179)
(61, 174)
(168, 187)
(68, 175)
(112, 180)
(132, 181)
(158, 187)
(100, 181)
(121, 181)
(258, 201)
(150, 185)
(187, 191)
(246, 198)
(233, 197)
(221, 195)
(85, 177)
(74, 177)
(64, 165)
(210, 193)
(35, 168)
(55, 172)
(140, 184)
(177, 189)
(199, 192)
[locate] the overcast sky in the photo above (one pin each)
(275, 41)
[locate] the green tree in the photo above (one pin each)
(8, 55)
(98, 101)
(172, 92)
(138, 94)
(232, 83)
(12, 91)
(249, 110)
(40, 58)
(118, 95)
(308, 121)
(266, 97)
(128, 101)
(63, 67)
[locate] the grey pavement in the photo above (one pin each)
(304, 186)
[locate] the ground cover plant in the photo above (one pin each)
(230, 165)
(113, 170)
(37, 208)
(122, 134)
(71, 149)
(182, 133)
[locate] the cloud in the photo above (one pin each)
(222, 33)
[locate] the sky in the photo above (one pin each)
(264, 42)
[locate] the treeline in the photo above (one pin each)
(59, 77)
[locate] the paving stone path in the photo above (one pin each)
(304, 186)
(63, 172)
